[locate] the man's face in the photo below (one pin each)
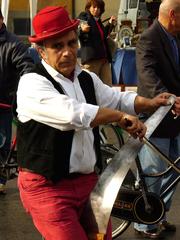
(174, 17)
(61, 53)
(177, 22)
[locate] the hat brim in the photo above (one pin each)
(36, 39)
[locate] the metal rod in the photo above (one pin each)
(171, 186)
(161, 155)
(143, 186)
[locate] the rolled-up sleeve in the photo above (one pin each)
(113, 98)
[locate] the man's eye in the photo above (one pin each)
(57, 46)
(60, 46)
(73, 43)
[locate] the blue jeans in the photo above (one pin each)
(5, 137)
(151, 163)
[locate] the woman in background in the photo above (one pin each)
(94, 52)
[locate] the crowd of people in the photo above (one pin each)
(60, 105)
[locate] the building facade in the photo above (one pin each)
(19, 18)
(18, 14)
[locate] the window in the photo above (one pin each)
(22, 26)
(133, 3)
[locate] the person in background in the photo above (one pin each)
(34, 53)
(158, 67)
(94, 52)
(14, 63)
(59, 109)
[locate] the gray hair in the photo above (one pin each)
(166, 5)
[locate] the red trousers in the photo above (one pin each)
(57, 208)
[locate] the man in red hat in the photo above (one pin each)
(59, 108)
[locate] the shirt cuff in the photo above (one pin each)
(90, 112)
(128, 103)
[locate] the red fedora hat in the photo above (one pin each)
(50, 22)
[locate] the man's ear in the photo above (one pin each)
(171, 14)
(42, 53)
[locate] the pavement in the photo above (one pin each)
(16, 224)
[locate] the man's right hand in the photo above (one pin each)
(85, 27)
(130, 123)
(133, 126)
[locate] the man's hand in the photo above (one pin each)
(176, 108)
(128, 122)
(143, 104)
(133, 126)
(160, 100)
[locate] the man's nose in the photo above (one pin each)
(66, 50)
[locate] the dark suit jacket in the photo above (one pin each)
(92, 46)
(156, 66)
(157, 70)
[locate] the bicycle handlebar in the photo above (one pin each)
(5, 106)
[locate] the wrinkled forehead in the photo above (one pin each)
(71, 35)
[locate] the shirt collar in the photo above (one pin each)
(96, 18)
(169, 35)
(56, 74)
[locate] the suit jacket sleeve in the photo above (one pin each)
(150, 82)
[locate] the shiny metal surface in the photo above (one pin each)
(104, 194)
(157, 117)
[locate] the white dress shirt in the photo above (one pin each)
(37, 99)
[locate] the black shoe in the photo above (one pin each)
(151, 234)
(166, 226)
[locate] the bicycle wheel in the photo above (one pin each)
(118, 226)
(110, 142)
(111, 135)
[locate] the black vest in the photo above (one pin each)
(46, 150)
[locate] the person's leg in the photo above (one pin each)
(102, 68)
(106, 74)
(5, 142)
(5, 132)
(109, 232)
(174, 153)
(93, 66)
(56, 209)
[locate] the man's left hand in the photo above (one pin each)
(160, 100)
